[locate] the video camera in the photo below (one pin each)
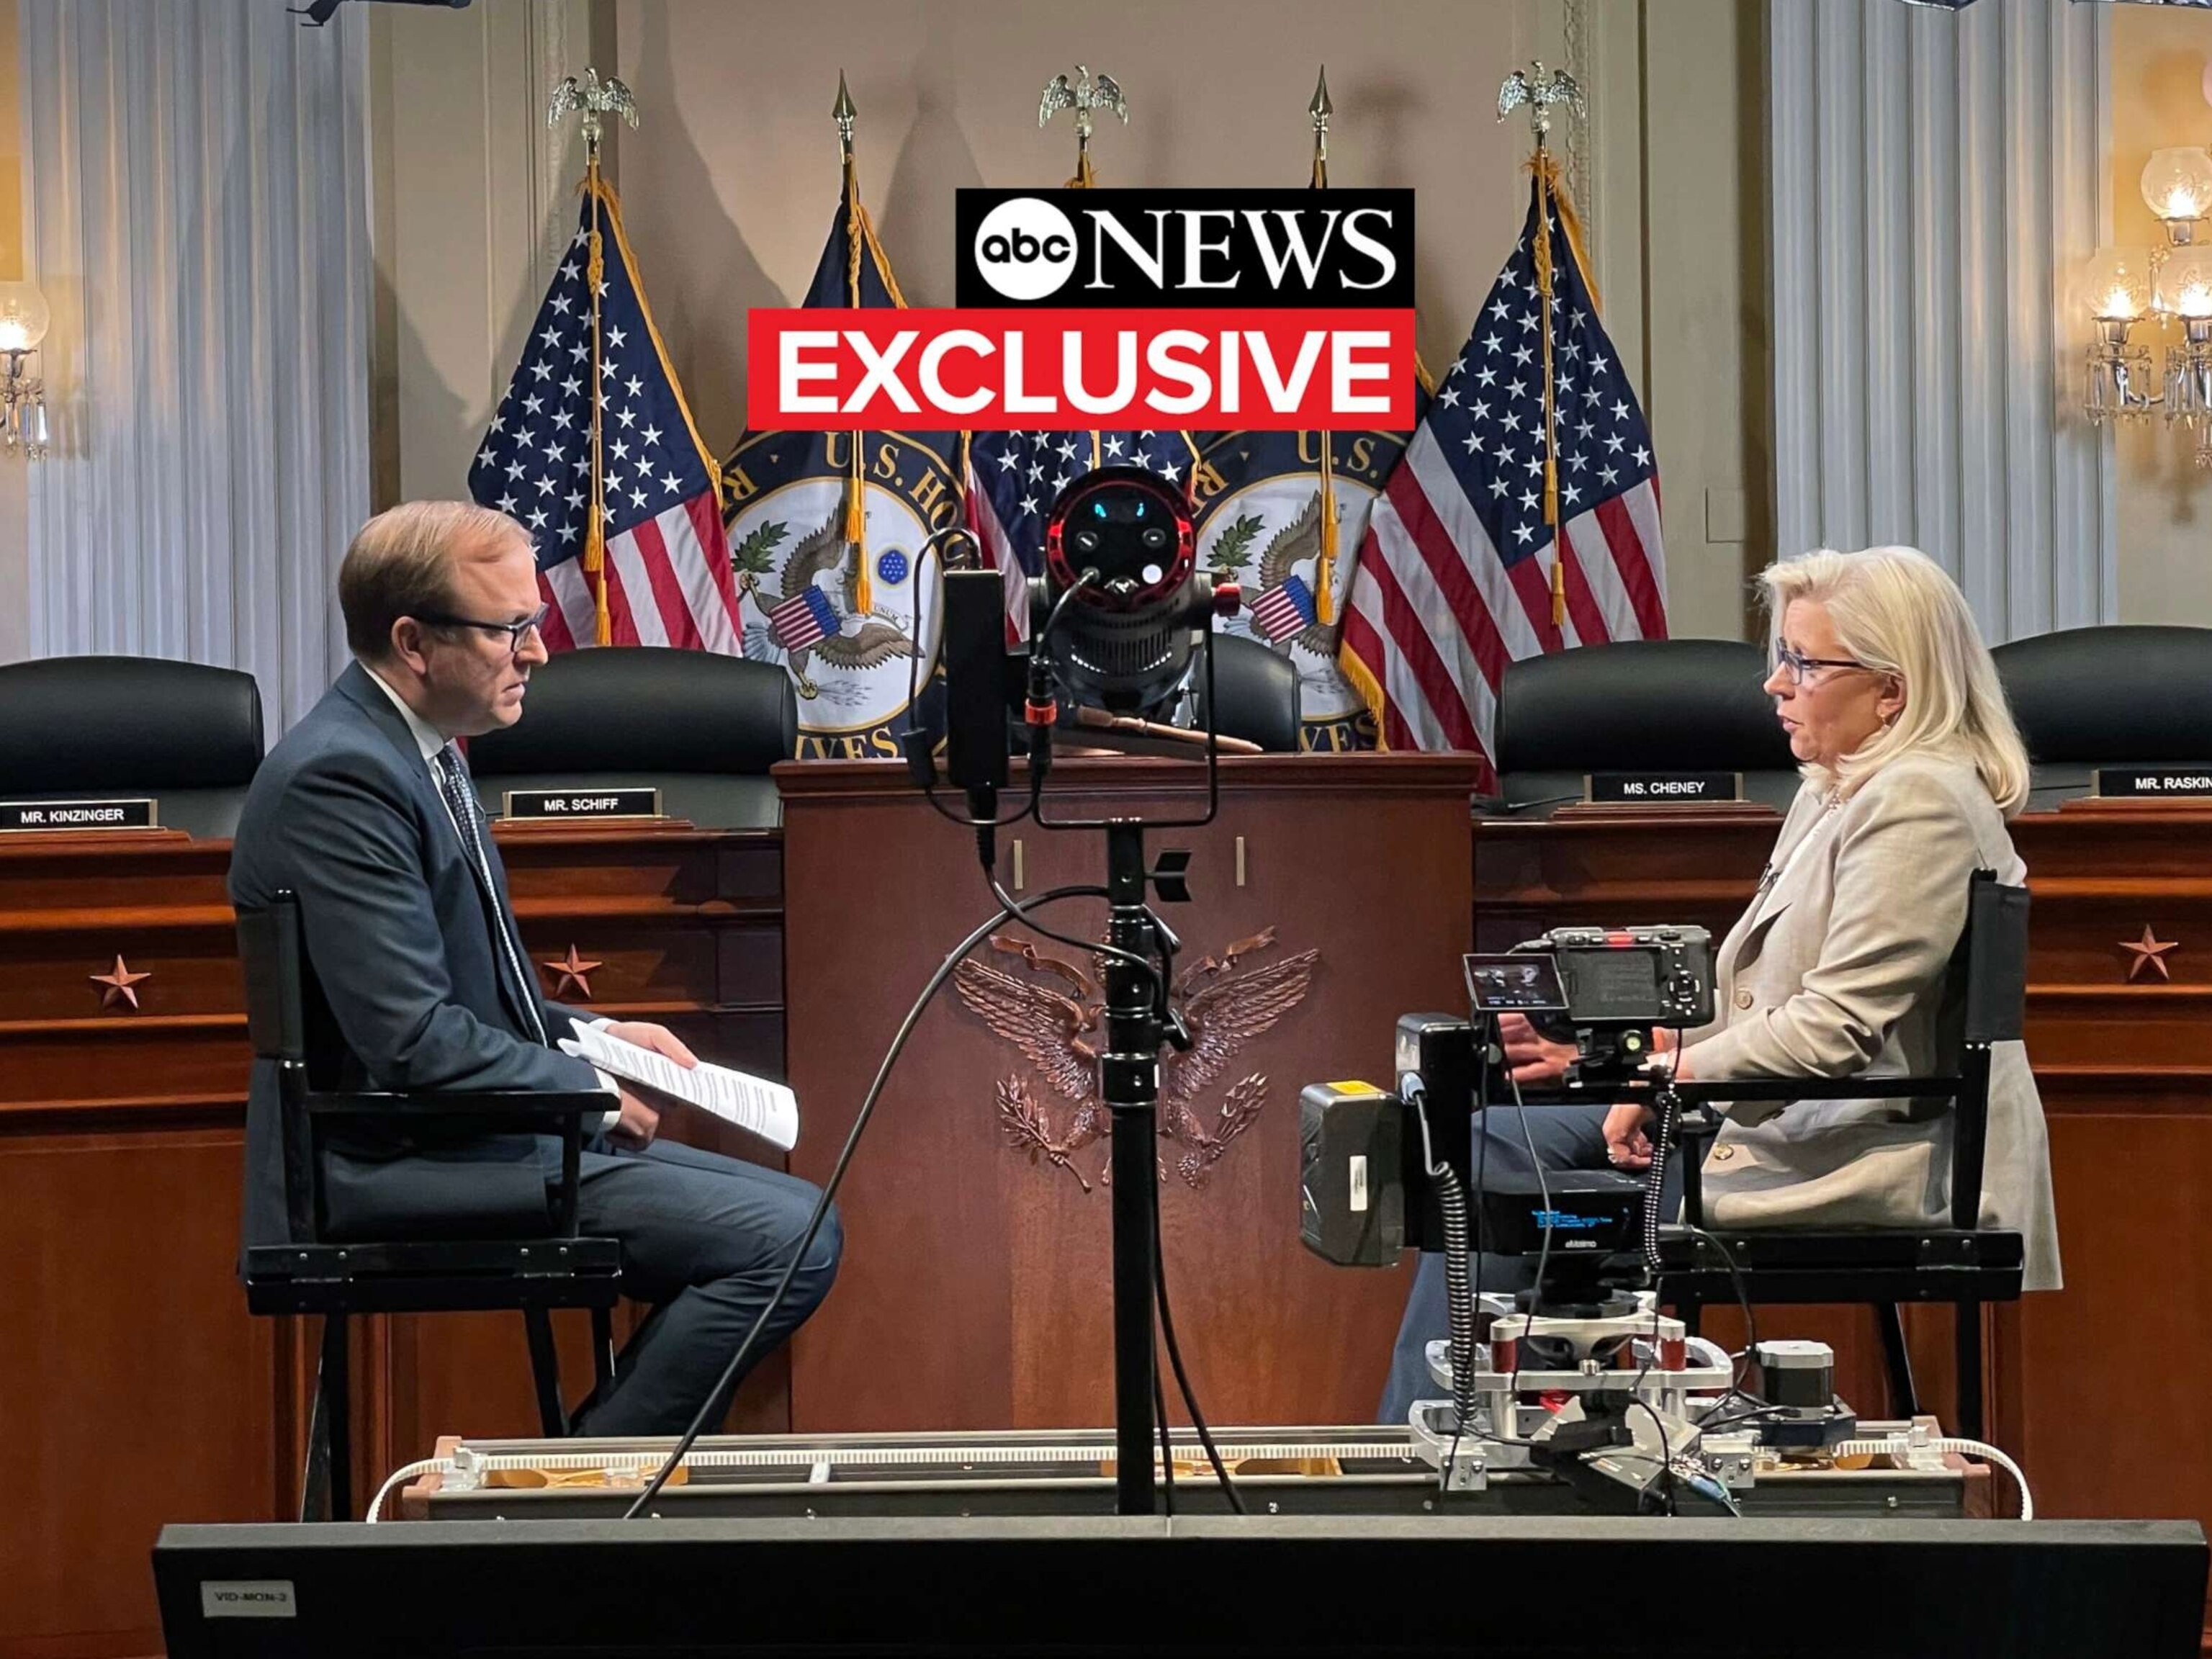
(1608, 988)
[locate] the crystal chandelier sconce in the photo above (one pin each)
(2171, 283)
(22, 395)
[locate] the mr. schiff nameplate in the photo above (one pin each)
(123, 812)
(1661, 789)
(2152, 782)
(565, 804)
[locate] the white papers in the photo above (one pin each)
(769, 1110)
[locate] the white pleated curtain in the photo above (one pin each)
(198, 221)
(1936, 180)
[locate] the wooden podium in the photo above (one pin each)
(976, 1289)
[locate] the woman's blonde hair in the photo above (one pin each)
(1895, 609)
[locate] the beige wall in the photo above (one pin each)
(14, 528)
(729, 186)
(2158, 99)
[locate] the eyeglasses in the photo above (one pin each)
(514, 631)
(1795, 666)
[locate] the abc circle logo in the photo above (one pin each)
(1025, 248)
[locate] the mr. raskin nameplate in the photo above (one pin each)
(2154, 782)
(1662, 788)
(529, 804)
(132, 812)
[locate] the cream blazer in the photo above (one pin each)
(1838, 969)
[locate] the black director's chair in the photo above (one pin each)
(1963, 1264)
(316, 1274)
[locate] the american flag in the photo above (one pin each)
(1011, 479)
(1286, 609)
(1454, 579)
(667, 564)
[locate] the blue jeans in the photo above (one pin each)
(1563, 1138)
(704, 1239)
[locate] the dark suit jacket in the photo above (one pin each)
(406, 995)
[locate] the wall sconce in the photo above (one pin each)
(2119, 292)
(2184, 293)
(2176, 185)
(2174, 282)
(23, 319)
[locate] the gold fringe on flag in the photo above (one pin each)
(595, 532)
(856, 484)
(1547, 193)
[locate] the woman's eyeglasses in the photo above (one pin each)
(514, 631)
(1795, 666)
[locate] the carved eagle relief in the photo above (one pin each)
(1058, 1028)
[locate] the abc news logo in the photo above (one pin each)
(1141, 249)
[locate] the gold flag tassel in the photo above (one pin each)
(594, 98)
(595, 532)
(1546, 172)
(856, 482)
(1325, 566)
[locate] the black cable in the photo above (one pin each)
(1159, 1393)
(1544, 1254)
(1151, 969)
(1182, 1381)
(1742, 1301)
(1167, 1443)
(731, 1372)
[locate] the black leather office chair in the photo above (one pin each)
(185, 733)
(702, 729)
(1964, 1264)
(338, 1278)
(2138, 695)
(1257, 689)
(1640, 705)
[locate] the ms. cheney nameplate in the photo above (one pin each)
(530, 804)
(1663, 788)
(133, 812)
(2152, 782)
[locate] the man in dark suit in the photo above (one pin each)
(366, 811)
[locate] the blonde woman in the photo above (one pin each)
(1838, 967)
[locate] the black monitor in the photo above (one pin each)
(1267, 1587)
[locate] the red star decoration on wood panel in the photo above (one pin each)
(121, 985)
(2150, 953)
(572, 969)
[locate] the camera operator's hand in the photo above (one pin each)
(1627, 1142)
(1534, 1058)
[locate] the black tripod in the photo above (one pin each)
(1138, 1020)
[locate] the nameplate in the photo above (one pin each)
(537, 803)
(135, 812)
(248, 1598)
(2149, 783)
(1662, 788)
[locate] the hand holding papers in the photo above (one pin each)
(769, 1110)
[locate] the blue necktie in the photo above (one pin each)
(461, 802)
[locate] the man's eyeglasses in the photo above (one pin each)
(514, 631)
(1796, 665)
